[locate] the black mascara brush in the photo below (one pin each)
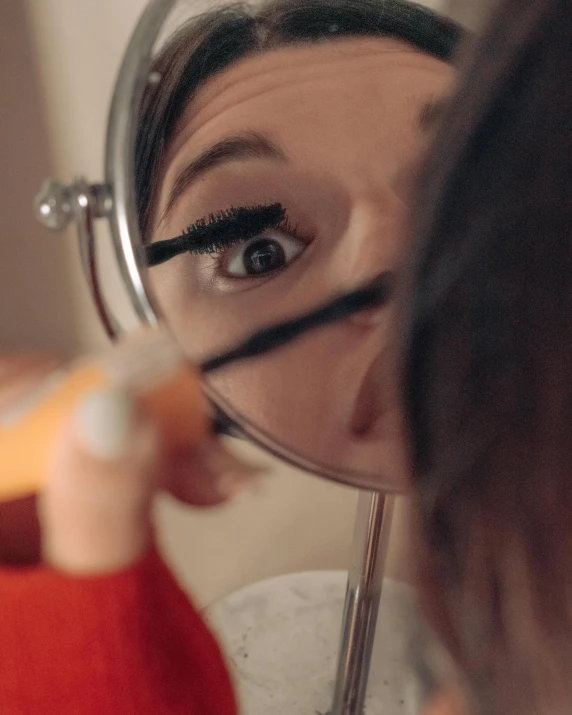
(377, 293)
(206, 235)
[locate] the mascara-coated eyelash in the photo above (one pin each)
(218, 231)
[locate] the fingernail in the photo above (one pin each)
(232, 475)
(104, 422)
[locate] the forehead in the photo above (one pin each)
(342, 66)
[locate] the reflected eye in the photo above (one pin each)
(264, 254)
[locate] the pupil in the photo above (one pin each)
(263, 256)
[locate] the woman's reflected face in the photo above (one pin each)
(291, 173)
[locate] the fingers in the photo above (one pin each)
(210, 475)
(94, 513)
(95, 509)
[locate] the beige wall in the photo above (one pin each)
(79, 45)
(36, 304)
(58, 60)
(57, 66)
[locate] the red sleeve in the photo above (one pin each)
(127, 644)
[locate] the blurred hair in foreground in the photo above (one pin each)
(488, 365)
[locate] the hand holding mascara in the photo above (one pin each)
(153, 368)
(150, 368)
(96, 442)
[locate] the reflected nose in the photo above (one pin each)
(374, 399)
(380, 291)
(373, 242)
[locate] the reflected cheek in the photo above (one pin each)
(304, 394)
(289, 393)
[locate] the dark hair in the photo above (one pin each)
(213, 41)
(488, 363)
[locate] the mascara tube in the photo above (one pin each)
(150, 366)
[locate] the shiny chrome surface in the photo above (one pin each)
(120, 149)
(365, 579)
(53, 205)
(56, 207)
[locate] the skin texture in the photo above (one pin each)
(345, 116)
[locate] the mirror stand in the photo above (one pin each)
(363, 595)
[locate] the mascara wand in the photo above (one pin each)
(243, 223)
(377, 293)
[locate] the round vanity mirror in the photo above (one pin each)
(260, 162)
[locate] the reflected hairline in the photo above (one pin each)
(251, 144)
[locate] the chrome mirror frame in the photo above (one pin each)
(82, 202)
(134, 75)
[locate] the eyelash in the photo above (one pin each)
(219, 244)
(222, 230)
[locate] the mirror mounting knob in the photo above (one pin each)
(52, 205)
(57, 205)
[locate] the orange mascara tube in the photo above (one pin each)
(150, 366)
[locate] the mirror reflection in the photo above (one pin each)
(278, 146)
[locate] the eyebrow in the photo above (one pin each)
(246, 145)
(255, 145)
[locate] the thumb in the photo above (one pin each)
(95, 509)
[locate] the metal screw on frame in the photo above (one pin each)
(57, 206)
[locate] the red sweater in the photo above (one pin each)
(126, 644)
